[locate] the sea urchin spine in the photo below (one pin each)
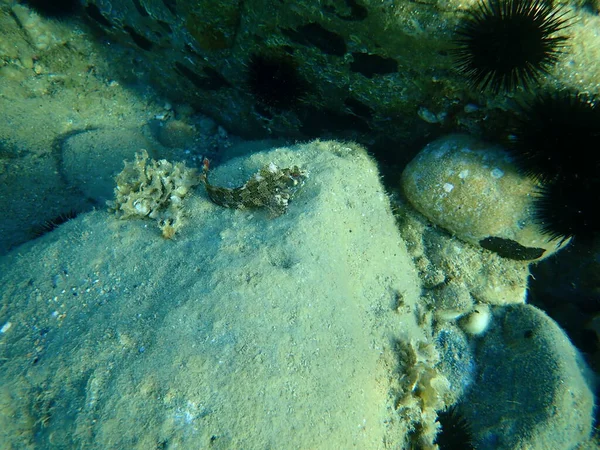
(555, 142)
(506, 43)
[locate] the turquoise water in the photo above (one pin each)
(352, 319)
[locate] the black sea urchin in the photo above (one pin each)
(567, 207)
(505, 43)
(54, 8)
(275, 81)
(455, 431)
(557, 135)
(52, 224)
(556, 142)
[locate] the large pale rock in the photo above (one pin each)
(474, 190)
(533, 390)
(242, 332)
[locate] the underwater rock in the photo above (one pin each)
(176, 133)
(91, 159)
(473, 190)
(43, 35)
(456, 360)
(452, 299)
(533, 389)
(245, 332)
(455, 274)
(367, 66)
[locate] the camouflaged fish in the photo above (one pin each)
(271, 188)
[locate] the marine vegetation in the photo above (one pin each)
(154, 189)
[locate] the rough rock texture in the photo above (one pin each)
(456, 274)
(302, 331)
(352, 69)
(243, 332)
(533, 389)
(92, 159)
(376, 71)
(474, 190)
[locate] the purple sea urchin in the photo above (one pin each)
(505, 43)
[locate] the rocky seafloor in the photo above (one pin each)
(352, 320)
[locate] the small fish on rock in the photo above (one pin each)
(271, 188)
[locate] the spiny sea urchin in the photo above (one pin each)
(54, 8)
(567, 207)
(274, 80)
(506, 43)
(555, 142)
(52, 224)
(556, 135)
(455, 432)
